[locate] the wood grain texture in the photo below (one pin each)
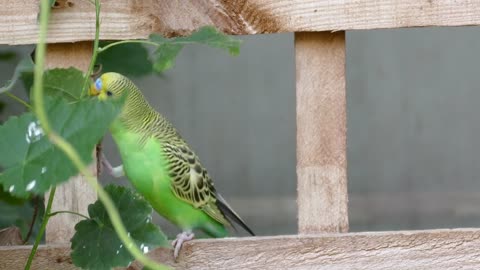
(76, 194)
(426, 250)
(127, 19)
(321, 132)
(51, 257)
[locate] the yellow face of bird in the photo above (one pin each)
(104, 86)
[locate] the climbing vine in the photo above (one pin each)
(55, 138)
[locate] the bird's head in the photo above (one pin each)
(109, 85)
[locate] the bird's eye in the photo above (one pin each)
(109, 93)
(98, 84)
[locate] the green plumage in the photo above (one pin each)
(161, 166)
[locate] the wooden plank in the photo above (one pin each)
(76, 194)
(125, 19)
(321, 132)
(51, 257)
(427, 250)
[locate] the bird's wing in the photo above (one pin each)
(190, 182)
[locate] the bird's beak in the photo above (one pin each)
(93, 91)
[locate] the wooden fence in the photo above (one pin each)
(322, 241)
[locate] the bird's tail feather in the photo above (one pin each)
(230, 214)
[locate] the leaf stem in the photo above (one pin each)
(19, 100)
(40, 110)
(38, 103)
(44, 223)
(68, 149)
(68, 212)
(106, 47)
(7, 87)
(148, 42)
(95, 48)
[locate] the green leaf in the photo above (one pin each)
(33, 163)
(9, 198)
(130, 59)
(26, 76)
(52, 2)
(164, 56)
(168, 49)
(24, 66)
(96, 245)
(66, 83)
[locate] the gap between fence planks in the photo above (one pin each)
(76, 194)
(321, 132)
(126, 19)
(427, 250)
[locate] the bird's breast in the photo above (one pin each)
(143, 160)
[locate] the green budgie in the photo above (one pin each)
(161, 166)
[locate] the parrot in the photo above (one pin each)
(161, 166)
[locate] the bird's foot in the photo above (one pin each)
(113, 171)
(181, 238)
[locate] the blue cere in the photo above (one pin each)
(98, 84)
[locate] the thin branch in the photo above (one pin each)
(7, 87)
(68, 212)
(106, 47)
(147, 42)
(97, 71)
(19, 100)
(98, 157)
(95, 48)
(36, 201)
(40, 110)
(39, 106)
(68, 149)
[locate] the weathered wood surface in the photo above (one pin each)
(435, 249)
(126, 19)
(321, 132)
(76, 194)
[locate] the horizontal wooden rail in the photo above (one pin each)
(433, 249)
(127, 19)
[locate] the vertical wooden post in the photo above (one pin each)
(321, 132)
(76, 194)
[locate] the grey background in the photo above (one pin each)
(413, 151)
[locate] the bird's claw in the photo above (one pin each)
(181, 238)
